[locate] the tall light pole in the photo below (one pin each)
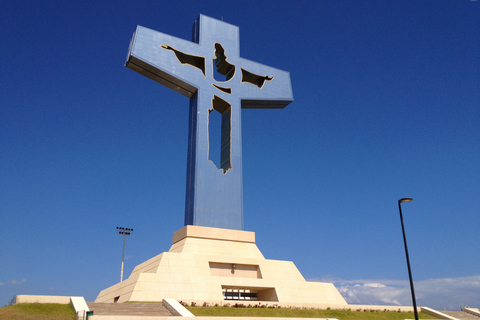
(406, 253)
(125, 232)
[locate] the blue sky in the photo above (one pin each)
(387, 97)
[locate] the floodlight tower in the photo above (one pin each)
(125, 232)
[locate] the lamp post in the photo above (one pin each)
(406, 253)
(125, 232)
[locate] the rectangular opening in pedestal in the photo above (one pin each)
(221, 269)
(249, 294)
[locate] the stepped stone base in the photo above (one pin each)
(220, 266)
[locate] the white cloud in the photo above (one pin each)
(440, 294)
(13, 282)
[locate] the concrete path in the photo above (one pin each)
(461, 315)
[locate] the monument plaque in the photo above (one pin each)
(210, 71)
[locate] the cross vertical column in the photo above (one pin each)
(214, 196)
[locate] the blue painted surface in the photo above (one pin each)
(214, 196)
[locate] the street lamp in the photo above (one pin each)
(125, 232)
(406, 253)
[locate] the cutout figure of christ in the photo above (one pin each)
(223, 72)
(214, 82)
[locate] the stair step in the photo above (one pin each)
(131, 309)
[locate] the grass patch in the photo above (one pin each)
(38, 311)
(302, 313)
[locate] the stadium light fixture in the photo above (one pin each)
(125, 232)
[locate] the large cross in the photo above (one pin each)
(210, 71)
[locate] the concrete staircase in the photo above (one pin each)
(461, 315)
(129, 309)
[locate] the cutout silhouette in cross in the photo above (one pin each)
(210, 71)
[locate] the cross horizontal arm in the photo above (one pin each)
(276, 93)
(148, 56)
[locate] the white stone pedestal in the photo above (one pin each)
(220, 266)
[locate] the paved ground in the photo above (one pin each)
(158, 310)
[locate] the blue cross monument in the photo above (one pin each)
(210, 71)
